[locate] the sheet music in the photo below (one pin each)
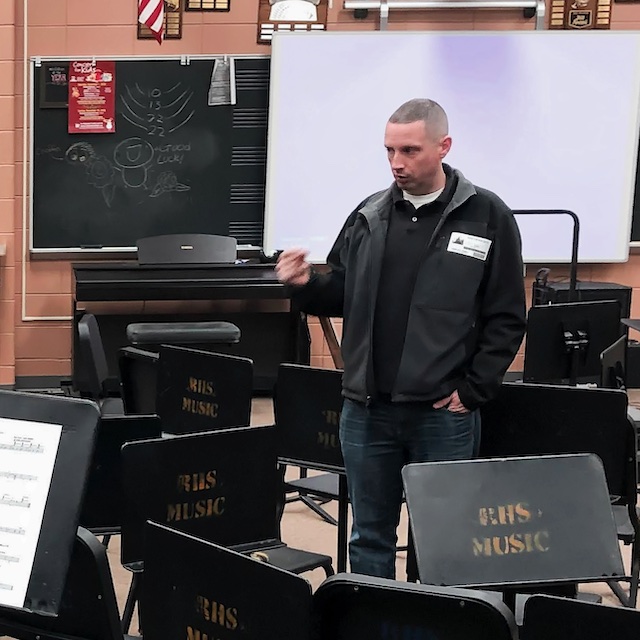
(27, 456)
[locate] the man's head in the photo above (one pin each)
(417, 139)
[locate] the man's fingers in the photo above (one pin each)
(442, 403)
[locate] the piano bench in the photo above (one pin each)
(182, 333)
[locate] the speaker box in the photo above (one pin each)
(555, 292)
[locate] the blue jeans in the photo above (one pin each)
(377, 441)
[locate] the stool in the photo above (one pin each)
(182, 333)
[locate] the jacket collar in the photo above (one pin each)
(378, 206)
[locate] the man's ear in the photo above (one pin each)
(445, 146)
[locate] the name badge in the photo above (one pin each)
(468, 245)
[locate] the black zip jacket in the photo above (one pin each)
(467, 315)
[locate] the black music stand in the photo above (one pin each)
(138, 370)
(207, 591)
(613, 365)
(103, 504)
(362, 608)
(564, 341)
(510, 524)
(67, 427)
(202, 391)
(550, 618)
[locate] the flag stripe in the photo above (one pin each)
(151, 14)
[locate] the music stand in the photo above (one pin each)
(613, 365)
(207, 591)
(46, 445)
(509, 524)
(564, 341)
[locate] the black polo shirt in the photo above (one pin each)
(409, 232)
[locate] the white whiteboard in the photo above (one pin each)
(547, 120)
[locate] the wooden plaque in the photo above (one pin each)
(580, 14)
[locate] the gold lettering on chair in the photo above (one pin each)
(511, 514)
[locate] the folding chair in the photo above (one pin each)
(307, 406)
(551, 618)
(88, 608)
(529, 419)
(362, 608)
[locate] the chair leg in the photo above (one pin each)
(635, 572)
(619, 592)
(318, 509)
(105, 540)
(129, 606)
(343, 512)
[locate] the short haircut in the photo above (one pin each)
(430, 112)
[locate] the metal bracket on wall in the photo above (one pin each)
(531, 8)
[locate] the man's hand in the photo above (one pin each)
(292, 267)
(452, 403)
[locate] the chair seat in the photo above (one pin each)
(141, 333)
(324, 485)
(623, 524)
(298, 561)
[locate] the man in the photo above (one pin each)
(427, 275)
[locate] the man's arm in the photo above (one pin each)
(502, 317)
(319, 294)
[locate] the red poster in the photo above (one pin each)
(92, 88)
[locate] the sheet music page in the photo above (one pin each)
(27, 456)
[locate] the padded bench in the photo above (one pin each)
(182, 333)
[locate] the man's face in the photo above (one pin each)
(415, 156)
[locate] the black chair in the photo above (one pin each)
(529, 419)
(92, 360)
(88, 608)
(208, 591)
(219, 486)
(307, 406)
(362, 608)
(551, 618)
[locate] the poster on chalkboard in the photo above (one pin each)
(92, 97)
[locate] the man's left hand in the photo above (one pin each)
(452, 403)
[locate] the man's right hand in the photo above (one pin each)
(292, 267)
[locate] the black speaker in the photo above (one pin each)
(554, 292)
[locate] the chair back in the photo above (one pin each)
(103, 503)
(552, 618)
(207, 591)
(218, 485)
(202, 391)
(531, 419)
(187, 248)
(307, 407)
(138, 370)
(361, 608)
(88, 607)
(92, 358)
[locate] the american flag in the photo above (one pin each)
(151, 14)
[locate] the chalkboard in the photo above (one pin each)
(173, 165)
